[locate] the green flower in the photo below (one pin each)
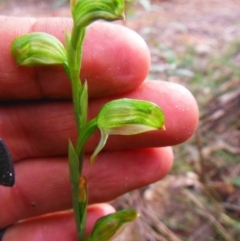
(127, 117)
(38, 49)
(85, 12)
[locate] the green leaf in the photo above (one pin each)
(127, 117)
(74, 179)
(86, 11)
(73, 70)
(79, 192)
(83, 105)
(82, 202)
(38, 49)
(86, 133)
(107, 227)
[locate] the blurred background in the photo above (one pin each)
(195, 43)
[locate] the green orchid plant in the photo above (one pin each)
(117, 117)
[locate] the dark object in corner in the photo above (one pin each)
(7, 176)
(2, 231)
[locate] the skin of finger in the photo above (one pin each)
(45, 128)
(115, 60)
(42, 185)
(59, 226)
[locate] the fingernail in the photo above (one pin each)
(2, 231)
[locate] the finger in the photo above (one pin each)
(59, 226)
(44, 129)
(115, 60)
(43, 186)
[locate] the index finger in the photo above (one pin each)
(115, 60)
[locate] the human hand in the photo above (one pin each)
(36, 121)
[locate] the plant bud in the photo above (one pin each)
(38, 49)
(107, 227)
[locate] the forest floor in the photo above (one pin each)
(197, 44)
